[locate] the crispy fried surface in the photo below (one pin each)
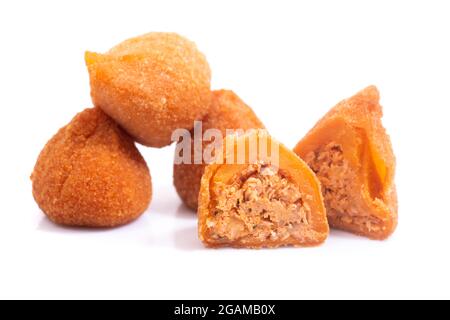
(227, 111)
(151, 85)
(91, 174)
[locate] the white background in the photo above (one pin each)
(291, 61)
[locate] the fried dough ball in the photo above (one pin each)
(151, 85)
(227, 111)
(90, 174)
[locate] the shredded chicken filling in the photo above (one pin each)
(261, 204)
(338, 184)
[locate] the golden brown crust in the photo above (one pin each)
(151, 85)
(186, 179)
(91, 174)
(355, 127)
(297, 174)
(227, 111)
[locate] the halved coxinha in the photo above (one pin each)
(265, 200)
(352, 155)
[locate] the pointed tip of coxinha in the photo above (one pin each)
(371, 98)
(91, 58)
(371, 93)
(359, 107)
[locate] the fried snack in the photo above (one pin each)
(90, 174)
(151, 85)
(352, 156)
(259, 204)
(227, 111)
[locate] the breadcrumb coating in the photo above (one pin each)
(151, 85)
(90, 174)
(227, 111)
